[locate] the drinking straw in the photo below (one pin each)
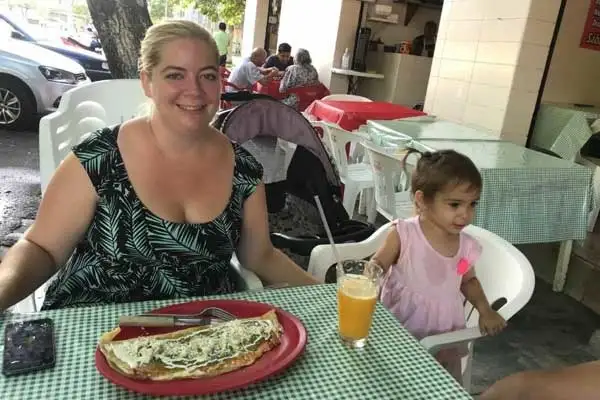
(328, 231)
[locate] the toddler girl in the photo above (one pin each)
(431, 258)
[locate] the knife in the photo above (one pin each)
(162, 321)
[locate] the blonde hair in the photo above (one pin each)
(157, 36)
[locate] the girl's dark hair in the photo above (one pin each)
(436, 170)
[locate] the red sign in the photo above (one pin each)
(591, 32)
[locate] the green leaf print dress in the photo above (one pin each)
(130, 254)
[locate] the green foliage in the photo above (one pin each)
(229, 11)
(81, 9)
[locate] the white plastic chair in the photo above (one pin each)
(346, 97)
(386, 170)
(504, 273)
(81, 111)
(356, 177)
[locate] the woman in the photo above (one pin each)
(156, 207)
(302, 73)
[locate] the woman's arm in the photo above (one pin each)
(63, 217)
(579, 382)
(256, 252)
(285, 81)
(389, 252)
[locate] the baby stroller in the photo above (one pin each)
(296, 168)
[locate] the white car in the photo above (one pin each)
(32, 81)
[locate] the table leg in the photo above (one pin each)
(562, 265)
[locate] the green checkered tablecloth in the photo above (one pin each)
(563, 129)
(392, 366)
(528, 196)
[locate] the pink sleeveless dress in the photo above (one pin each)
(423, 288)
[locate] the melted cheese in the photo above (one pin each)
(196, 349)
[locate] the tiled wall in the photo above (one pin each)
(489, 61)
(574, 75)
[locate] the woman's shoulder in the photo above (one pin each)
(97, 143)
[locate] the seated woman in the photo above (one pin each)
(302, 73)
(153, 208)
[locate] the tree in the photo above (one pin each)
(81, 10)
(162, 9)
(121, 26)
(229, 11)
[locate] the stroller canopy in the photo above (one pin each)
(267, 117)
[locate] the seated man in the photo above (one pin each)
(249, 72)
(282, 59)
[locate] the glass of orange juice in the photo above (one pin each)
(358, 283)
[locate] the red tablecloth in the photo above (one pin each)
(271, 89)
(352, 114)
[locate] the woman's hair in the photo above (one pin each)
(157, 36)
(303, 57)
(437, 170)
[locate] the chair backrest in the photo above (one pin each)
(346, 97)
(307, 94)
(385, 170)
(83, 110)
(504, 272)
(338, 138)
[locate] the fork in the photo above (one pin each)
(214, 312)
(205, 317)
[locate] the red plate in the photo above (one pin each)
(292, 345)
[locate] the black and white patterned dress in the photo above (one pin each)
(130, 254)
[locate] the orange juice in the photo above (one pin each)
(357, 296)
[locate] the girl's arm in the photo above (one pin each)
(389, 252)
(490, 322)
(473, 292)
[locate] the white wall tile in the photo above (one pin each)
(464, 51)
(547, 10)
(519, 111)
(467, 10)
(448, 110)
(486, 117)
(493, 74)
(538, 32)
(430, 94)
(452, 90)
(498, 52)
(533, 55)
(458, 70)
(527, 79)
(503, 9)
(463, 31)
(435, 67)
(514, 137)
(439, 48)
(503, 30)
(491, 96)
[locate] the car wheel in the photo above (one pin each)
(16, 105)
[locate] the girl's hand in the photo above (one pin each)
(491, 323)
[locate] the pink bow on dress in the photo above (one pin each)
(462, 267)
